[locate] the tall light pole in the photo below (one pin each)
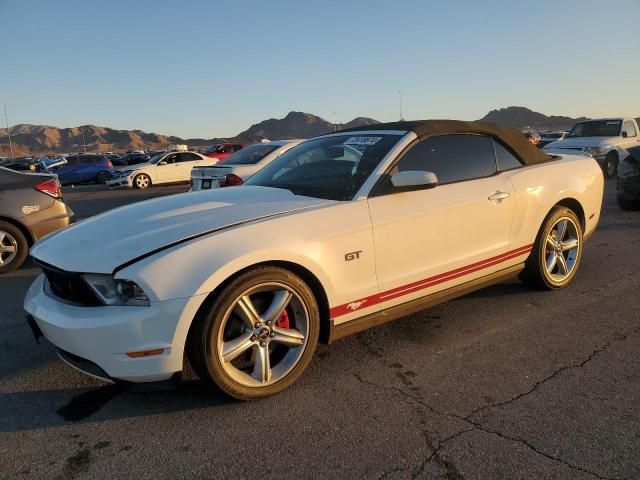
(400, 98)
(84, 145)
(8, 130)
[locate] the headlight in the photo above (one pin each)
(595, 150)
(113, 291)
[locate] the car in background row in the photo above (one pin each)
(548, 137)
(131, 159)
(606, 139)
(83, 168)
(22, 164)
(31, 208)
(240, 166)
(222, 150)
(628, 186)
(172, 167)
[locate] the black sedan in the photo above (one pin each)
(629, 180)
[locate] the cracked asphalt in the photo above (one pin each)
(507, 383)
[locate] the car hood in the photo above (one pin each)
(102, 243)
(581, 142)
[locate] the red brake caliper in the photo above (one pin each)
(283, 320)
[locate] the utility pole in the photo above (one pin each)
(84, 145)
(335, 122)
(8, 130)
(401, 115)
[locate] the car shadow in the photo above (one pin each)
(81, 405)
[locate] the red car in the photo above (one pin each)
(222, 150)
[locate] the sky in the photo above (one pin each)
(212, 68)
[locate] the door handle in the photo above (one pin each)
(499, 196)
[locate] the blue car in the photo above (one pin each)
(83, 168)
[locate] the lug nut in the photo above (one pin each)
(269, 323)
(272, 334)
(257, 325)
(253, 338)
(262, 344)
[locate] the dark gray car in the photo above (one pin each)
(31, 207)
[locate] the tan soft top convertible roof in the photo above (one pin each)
(512, 138)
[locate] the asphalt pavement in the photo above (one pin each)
(504, 383)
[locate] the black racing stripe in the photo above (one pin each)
(198, 235)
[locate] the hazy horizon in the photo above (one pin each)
(204, 69)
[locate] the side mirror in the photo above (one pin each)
(414, 180)
(624, 134)
(162, 163)
(335, 151)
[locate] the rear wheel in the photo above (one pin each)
(103, 177)
(556, 254)
(626, 204)
(13, 247)
(611, 164)
(258, 336)
(141, 181)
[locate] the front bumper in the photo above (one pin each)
(120, 182)
(104, 335)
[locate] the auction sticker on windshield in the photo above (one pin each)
(362, 141)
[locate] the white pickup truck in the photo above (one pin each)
(606, 139)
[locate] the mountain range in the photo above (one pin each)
(43, 139)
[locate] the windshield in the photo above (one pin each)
(251, 154)
(333, 167)
(552, 135)
(211, 149)
(597, 128)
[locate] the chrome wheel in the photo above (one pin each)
(8, 248)
(142, 181)
(562, 249)
(263, 335)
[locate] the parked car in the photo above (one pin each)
(246, 281)
(31, 208)
(131, 159)
(605, 139)
(628, 186)
(22, 164)
(222, 150)
(240, 166)
(83, 168)
(172, 167)
(548, 137)
(533, 137)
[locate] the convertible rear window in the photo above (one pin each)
(333, 167)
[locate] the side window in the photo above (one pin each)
(72, 161)
(505, 159)
(453, 158)
(188, 157)
(629, 128)
(169, 159)
(86, 160)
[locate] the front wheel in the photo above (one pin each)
(141, 181)
(258, 336)
(610, 164)
(557, 251)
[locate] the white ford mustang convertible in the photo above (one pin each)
(245, 281)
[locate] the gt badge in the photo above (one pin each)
(352, 256)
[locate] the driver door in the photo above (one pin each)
(433, 239)
(169, 171)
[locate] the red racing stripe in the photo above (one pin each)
(426, 283)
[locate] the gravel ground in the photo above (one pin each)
(504, 383)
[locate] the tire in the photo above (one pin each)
(537, 273)
(141, 181)
(611, 165)
(626, 204)
(103, 177)
(14, 247)
(222, 330)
